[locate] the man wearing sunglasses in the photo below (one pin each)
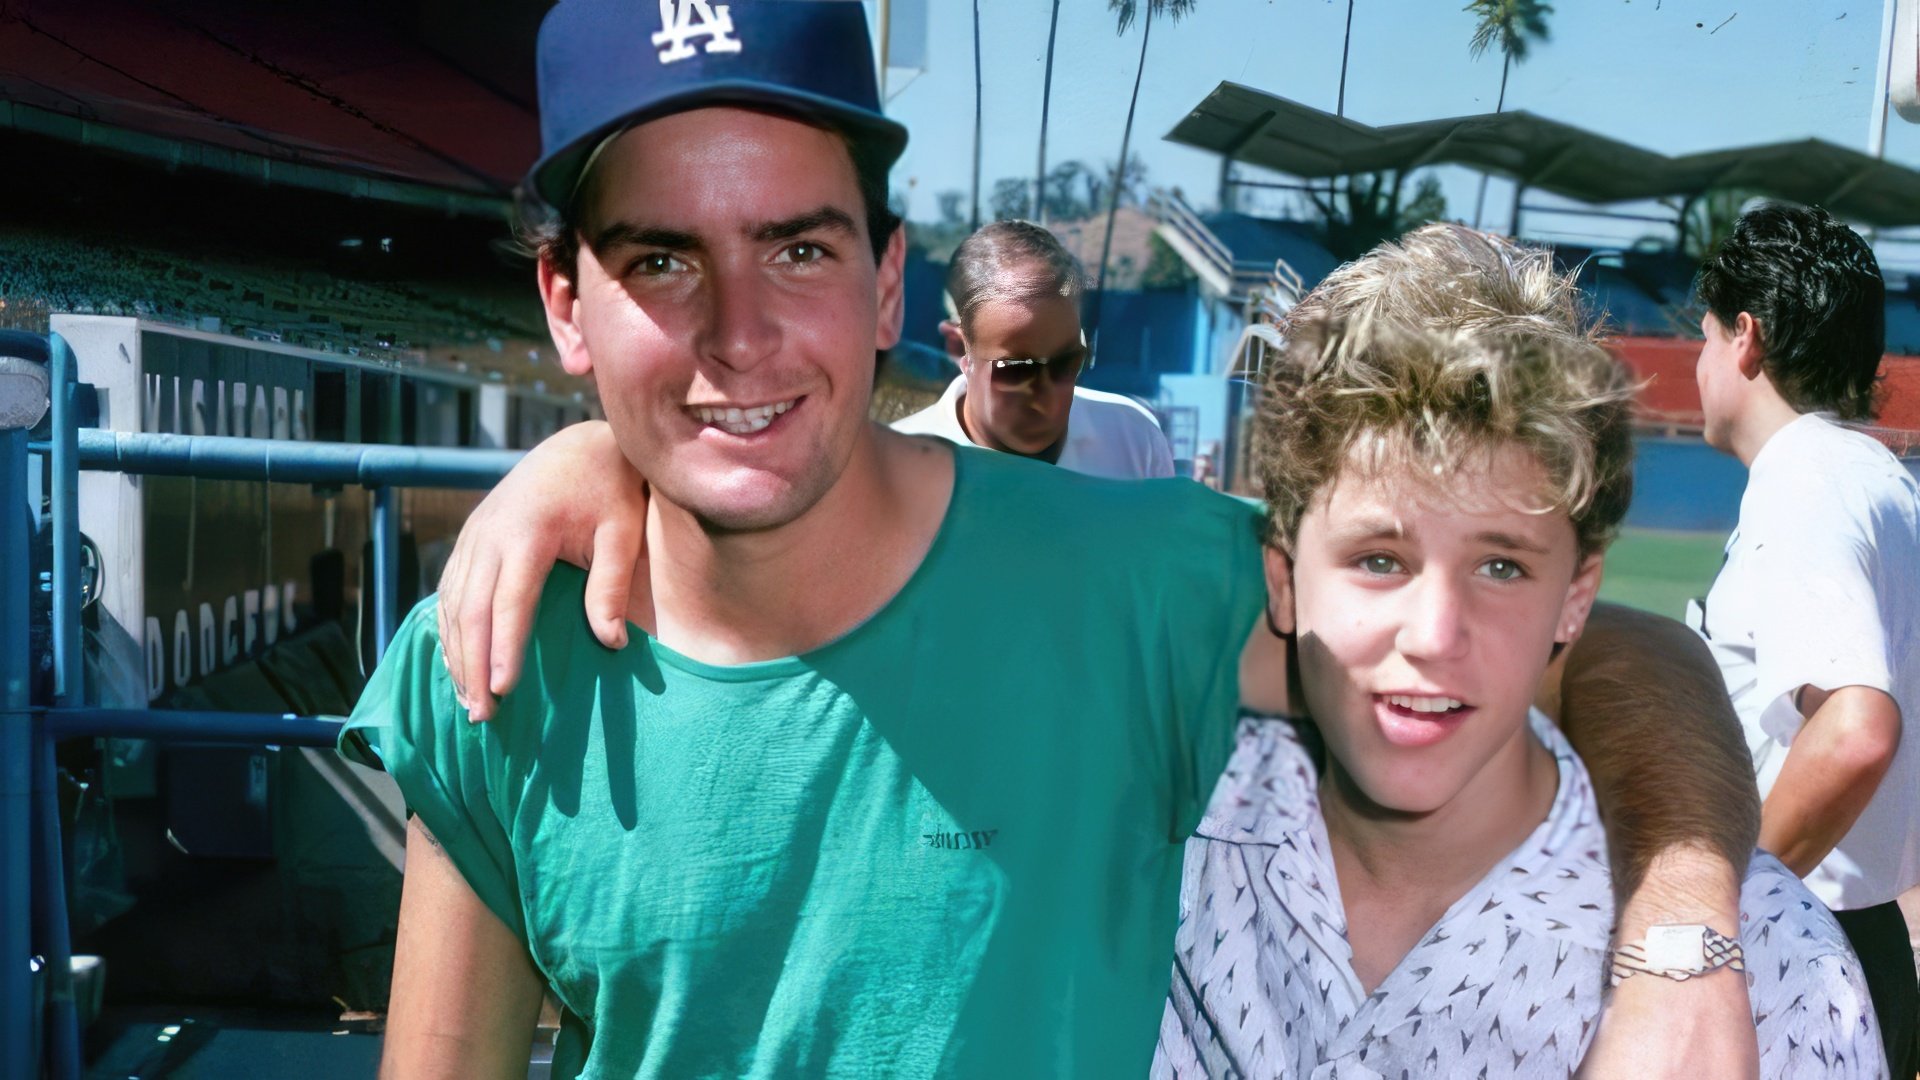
(1017, 338)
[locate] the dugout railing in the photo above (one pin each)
(38, 1020)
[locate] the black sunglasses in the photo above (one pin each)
(1012, 373)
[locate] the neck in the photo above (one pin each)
(969, 425)
(1766, 415)
(1449, 848)
(740, 597)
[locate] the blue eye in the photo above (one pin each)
(1502, 569)
(1379, 564)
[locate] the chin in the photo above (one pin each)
(753, 503)
(1413, 791)
(1029, 445)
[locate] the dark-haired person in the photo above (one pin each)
(1815, 616)
(1016, 292)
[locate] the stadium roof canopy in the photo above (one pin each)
(1252, 126)
(426, 102)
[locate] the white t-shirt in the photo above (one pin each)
(1107, 435)
(1821, 587)
(1506, 984)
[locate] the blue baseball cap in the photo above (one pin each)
(608, 65)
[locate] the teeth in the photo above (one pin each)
(742, 421)
(1424, 704)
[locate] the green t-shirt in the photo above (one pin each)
(947, 844)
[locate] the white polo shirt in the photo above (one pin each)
(1506, 985)
(1107, 434)
(1821, 587)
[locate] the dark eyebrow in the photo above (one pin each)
(1508, 540)
(632, 234)
(827, 218)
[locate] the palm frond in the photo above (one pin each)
(1514, 24)
(1128, 10)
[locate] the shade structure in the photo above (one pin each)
(1252, 126)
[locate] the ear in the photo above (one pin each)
(1280, 617)
(962, 352)
(954, 340)
(1749, 349)
(1581, 595)
(890, 289)
(563, 316)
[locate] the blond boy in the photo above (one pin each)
(1430, 896)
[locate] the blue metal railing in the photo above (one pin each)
(33, 906)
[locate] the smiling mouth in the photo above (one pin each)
(1411, 721)
(1435, 707)
(737, 421)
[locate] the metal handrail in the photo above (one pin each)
(193, 725)
(29, 812)
(1174, 211)
(222, 457)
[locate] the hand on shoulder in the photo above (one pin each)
(574, 498)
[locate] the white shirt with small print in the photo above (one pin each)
(1507, 984)
(1108, 435)
(1821, 587)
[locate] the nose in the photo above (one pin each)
(1047, 388)
(1433, 624)
(740, 328)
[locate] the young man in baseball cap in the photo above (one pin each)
(827, 817)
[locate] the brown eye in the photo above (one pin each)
(803, 252)
(655, 264)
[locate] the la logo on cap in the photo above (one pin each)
(683, 20)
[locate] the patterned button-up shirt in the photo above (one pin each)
(1507, 984)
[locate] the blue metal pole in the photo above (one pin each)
(219, 457)
(386, 567)
(193, 725)
(66, 524)
(50, 874)
(16, 756)
(62, 1023)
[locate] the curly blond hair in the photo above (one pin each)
(1427, 352)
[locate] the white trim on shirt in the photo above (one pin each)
(1108, 435)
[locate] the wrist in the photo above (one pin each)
(1683, 884)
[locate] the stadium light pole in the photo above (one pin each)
(883, 17)
(1882, 87)
(23, 401)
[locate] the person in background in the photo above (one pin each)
(1815, 615)
(1430, 895)
(1017, 338)
(1204, 473)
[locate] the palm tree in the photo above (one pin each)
(1346, 45)
(1126, 10)
(1046, 100)
(1707, 219)
(1514, 25)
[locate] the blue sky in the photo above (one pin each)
(1673, 75)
